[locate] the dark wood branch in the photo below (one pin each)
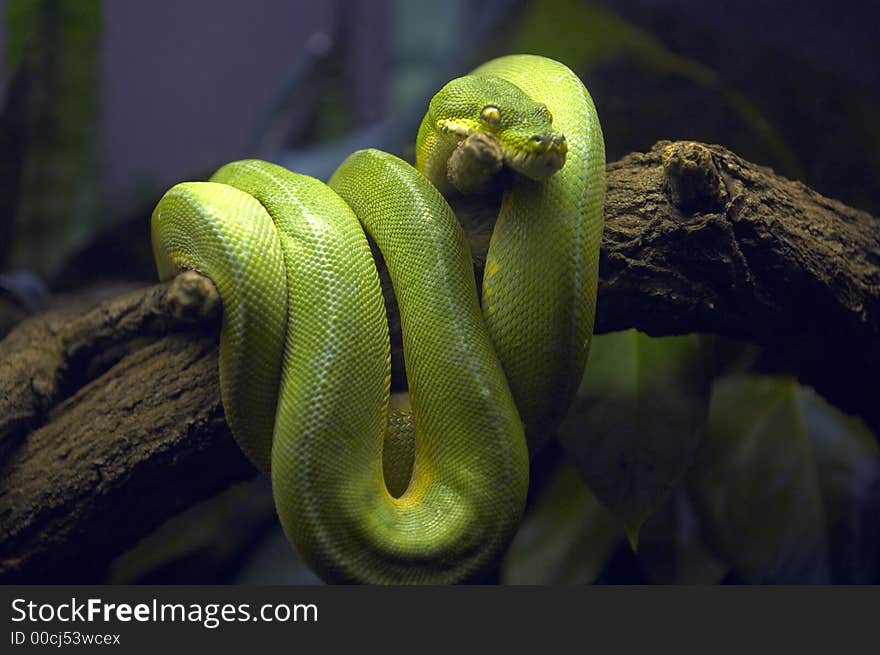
(110, 419)
(110, 422)
(699, 240)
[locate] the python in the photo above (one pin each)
(304, 353)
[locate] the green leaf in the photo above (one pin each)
(780, 472)
(565, 538)
(637, 419)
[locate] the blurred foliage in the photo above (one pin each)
(232, 538)
(638, 418)
(207, 543)
(783, 487)
(603, 48)
(673, 548)
(783, 481)
(55, 46)
(565, 538)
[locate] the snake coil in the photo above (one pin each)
(304, 353)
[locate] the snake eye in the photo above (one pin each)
(491, 114)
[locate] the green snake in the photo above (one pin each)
(304, 344)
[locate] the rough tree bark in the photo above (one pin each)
(110, 418)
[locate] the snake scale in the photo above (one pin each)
(304, 352)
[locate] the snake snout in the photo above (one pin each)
(560, 143)
(542, 157)
(551, 141)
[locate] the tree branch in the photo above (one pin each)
(699, 240)
(110, 418)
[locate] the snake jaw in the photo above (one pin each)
(457, 128)
(544, 156)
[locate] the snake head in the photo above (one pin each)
(492, 105)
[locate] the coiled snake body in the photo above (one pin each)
(304, 354)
